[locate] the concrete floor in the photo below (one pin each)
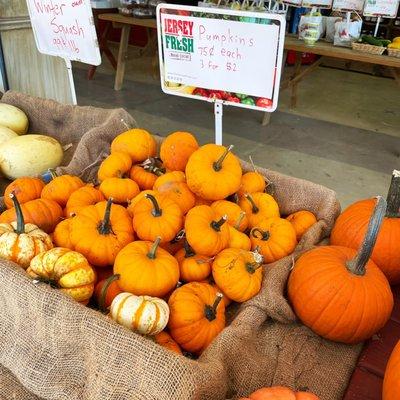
(355, 162)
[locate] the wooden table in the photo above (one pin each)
(125, 23)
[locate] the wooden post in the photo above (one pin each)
(122, 56)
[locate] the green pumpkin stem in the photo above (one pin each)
(211, 311)
(18, 212)
(357, 265)
(105, 226)
(103, 292)
(216, 225)
(217, 165)
(156, 212)
(239, 220)
(152, 253)
(264, 234)
(393, 196)
(252, 267)
(254, 208)
(189, 252)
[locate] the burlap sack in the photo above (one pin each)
(53, 348)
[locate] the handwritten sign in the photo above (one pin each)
(232, 56)
(317, 3)
(348, 5)
(65, 28)
(381, 8)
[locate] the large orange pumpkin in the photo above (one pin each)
(60, 188)
(138, 143)
(197, 316)
(25, 189)
(81, 198)
(213, 172)
(301, 222)
(279, 393)
(146, 269)
(205, 232)
(351, 225)
(157, 215)
(192, 267)
(176, 149)
(258, 207)
(121, 190)
(391, 381)
(99, 232)
(116, 165)
(44, 213)
(341, 294)
(275, 238)
(238, 273)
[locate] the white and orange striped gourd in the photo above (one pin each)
(143, 314)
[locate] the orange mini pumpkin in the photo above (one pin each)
(132, 203)
(121, 190)
(169, 177)
(279, 393)
(205, 232)
(116, 165)
(81, 198)
(391, 381)
(164, 339)
(251, 182)
(144, 179)
(197, 316)
(62, 234)
(192, 267)
(180, 193)
(138, 143)
(213, 172)
(146, 269)
(60, 188)
(157, 215)
(99, 232)
(301, 222)
(176, 149)
(44, 213)
(238, 240)
(275, 238)
(238, 273)
(341, 294)
(351, 225)
(25, 189)
(258, 207)
(236, 216)
(106, 291)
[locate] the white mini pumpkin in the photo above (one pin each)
(143, 314)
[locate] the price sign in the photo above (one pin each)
(381, 8)
(348, 5)
(317, 3)
(65, 29)
(218, 54)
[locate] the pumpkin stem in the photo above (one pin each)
(216, 225)
(180, 235)
(18, 212)
(152, 253)
(189, 252)
(217, 165)
(103, 292)
(211, 311)
(153, 165)
(239, 220)
(156, 212)
(253, 267)
(357, 265)
(105, 226)
(264, 234)
(252, 163)
(254, 208)
(393, 196)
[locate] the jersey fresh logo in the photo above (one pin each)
(179, 35)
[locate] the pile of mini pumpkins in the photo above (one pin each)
(171, 241)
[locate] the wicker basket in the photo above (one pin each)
(367, 48)
(394, 52)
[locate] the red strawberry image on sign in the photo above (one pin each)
(200, 92)
(263, 102)
(215, 94)
(233, 99)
